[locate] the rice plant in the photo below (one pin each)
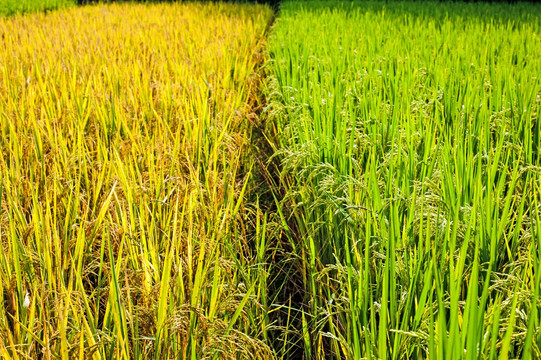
(12, 7)
(125, 224)
(409, 137)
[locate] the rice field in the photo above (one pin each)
(124, 180)
(209, 180)
(12, 7)
(409, 138)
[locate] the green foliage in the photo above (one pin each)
(11, 7)
(409, 137)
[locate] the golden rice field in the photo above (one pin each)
(123, 138)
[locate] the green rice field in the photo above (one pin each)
(11, 7)
(409, 139)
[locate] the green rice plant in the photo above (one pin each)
(129, 220)
(409, 137)
(11, 7)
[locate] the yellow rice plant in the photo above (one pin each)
(124, 217)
